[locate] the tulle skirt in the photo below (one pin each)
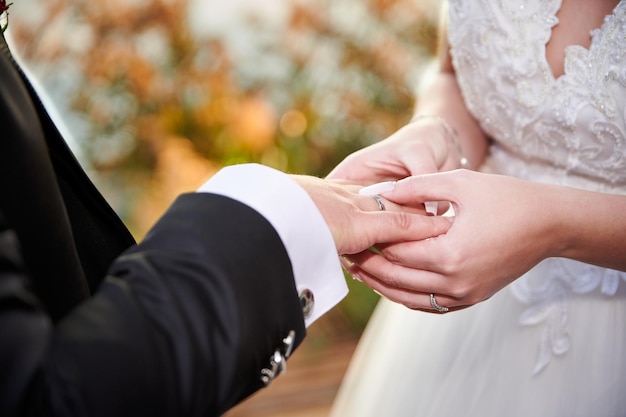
(479, 362)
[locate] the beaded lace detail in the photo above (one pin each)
(567, 130)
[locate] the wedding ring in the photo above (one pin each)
(379, 201)
(436, 305)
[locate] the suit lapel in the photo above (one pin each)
(68, 233)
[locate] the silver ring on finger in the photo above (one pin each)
(436, 306)
(379, 201)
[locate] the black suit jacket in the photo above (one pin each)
(92, 324)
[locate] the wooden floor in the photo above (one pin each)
(309, 386)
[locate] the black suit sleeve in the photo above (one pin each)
(181, 326)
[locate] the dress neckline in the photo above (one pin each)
(552, 20)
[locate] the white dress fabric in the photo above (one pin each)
(553, 343)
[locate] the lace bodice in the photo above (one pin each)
(568, 130)
(571, 127)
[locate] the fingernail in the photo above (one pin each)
(431, 207)
(381, 187)
(348, 267)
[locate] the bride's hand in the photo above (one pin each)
(420, 147)
(502, 228)
(356, 221)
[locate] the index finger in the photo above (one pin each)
(441, 186)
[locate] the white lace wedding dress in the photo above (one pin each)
(552, 344)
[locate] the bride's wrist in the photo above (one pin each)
(450, 136)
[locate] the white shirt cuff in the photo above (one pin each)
(300, 225)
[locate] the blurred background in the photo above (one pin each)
(159, 94)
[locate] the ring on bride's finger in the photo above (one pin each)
(436, 305)
(379, 201)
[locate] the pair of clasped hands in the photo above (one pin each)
(406, 252)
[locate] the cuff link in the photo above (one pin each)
(307, 301)
(278, 360)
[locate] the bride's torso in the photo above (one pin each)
(552, 97)
(556, 114)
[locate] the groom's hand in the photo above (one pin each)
(358, 222)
